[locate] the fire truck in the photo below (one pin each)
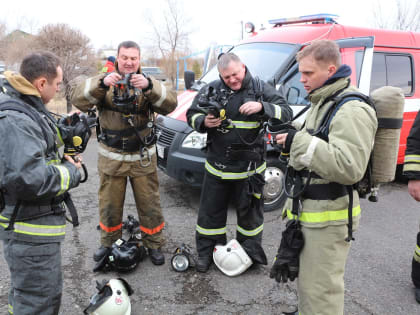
(377, 57)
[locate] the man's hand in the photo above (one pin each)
(250, 108)
(76, 160)
(414, 189)
(139, 81)
(211, 122)
(112, 79)
(281, 139)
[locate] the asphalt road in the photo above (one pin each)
(377, 276)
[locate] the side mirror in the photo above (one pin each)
(189, 78)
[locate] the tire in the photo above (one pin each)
(274, 196)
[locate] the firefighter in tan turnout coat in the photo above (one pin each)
(127, 149)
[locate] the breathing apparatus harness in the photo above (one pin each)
(214, 101)
(75, 133)
(125, 98)
(292, 181)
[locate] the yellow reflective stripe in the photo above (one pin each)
(60, 141)
(258, 196)
(53, 162)
(253, 232)
(244, 124)
(10, 309)
(194, 117)
(231, 175)
(277, 111)
(417, 254)
(204, 231)
(411, 167)
(324, 216)
(36, 229)
(412, 158)
(65, 178)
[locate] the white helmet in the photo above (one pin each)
(231, 258)
(112, 298)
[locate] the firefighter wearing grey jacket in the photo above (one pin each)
(333, 166)
(126, 149)
(34, 182)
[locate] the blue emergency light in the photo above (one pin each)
(324, 17)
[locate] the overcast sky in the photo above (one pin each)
(214, 21)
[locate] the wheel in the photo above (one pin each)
(274, 196)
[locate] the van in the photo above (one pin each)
(377, 58)
(155, 72)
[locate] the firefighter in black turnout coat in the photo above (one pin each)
(232, 111)
(412, 171)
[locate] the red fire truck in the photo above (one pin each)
(377, 58)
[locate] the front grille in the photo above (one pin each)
(165, 136)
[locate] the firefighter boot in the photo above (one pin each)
(156, 256)
(203, 264)
(417, 294)
(101, 253)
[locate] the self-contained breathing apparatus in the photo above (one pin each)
(388, 103)
(125, 98)
(214, 101)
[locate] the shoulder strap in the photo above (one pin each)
(339, 101)
(258, 88)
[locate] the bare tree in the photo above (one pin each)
(171, 36)
(405, 15)
(74, 49)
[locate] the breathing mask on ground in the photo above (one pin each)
(123, 256)
(112, 298)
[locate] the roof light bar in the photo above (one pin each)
(325, 17)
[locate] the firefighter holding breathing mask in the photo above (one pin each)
(126, 101)
(232, 111)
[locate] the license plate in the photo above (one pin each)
(160, 151)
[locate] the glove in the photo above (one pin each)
(286, 263)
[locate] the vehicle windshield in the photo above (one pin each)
(262, 59)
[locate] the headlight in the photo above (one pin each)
(195, 140)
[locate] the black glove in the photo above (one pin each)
(286, 263)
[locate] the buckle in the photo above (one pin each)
(145, 151)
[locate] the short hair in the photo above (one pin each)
(128, 44)
(37, 64)
(225, 59)
(323, 51)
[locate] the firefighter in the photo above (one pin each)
(411, 170)
(127, 146)
(319, 210)
(33, 186)
(232, 111)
